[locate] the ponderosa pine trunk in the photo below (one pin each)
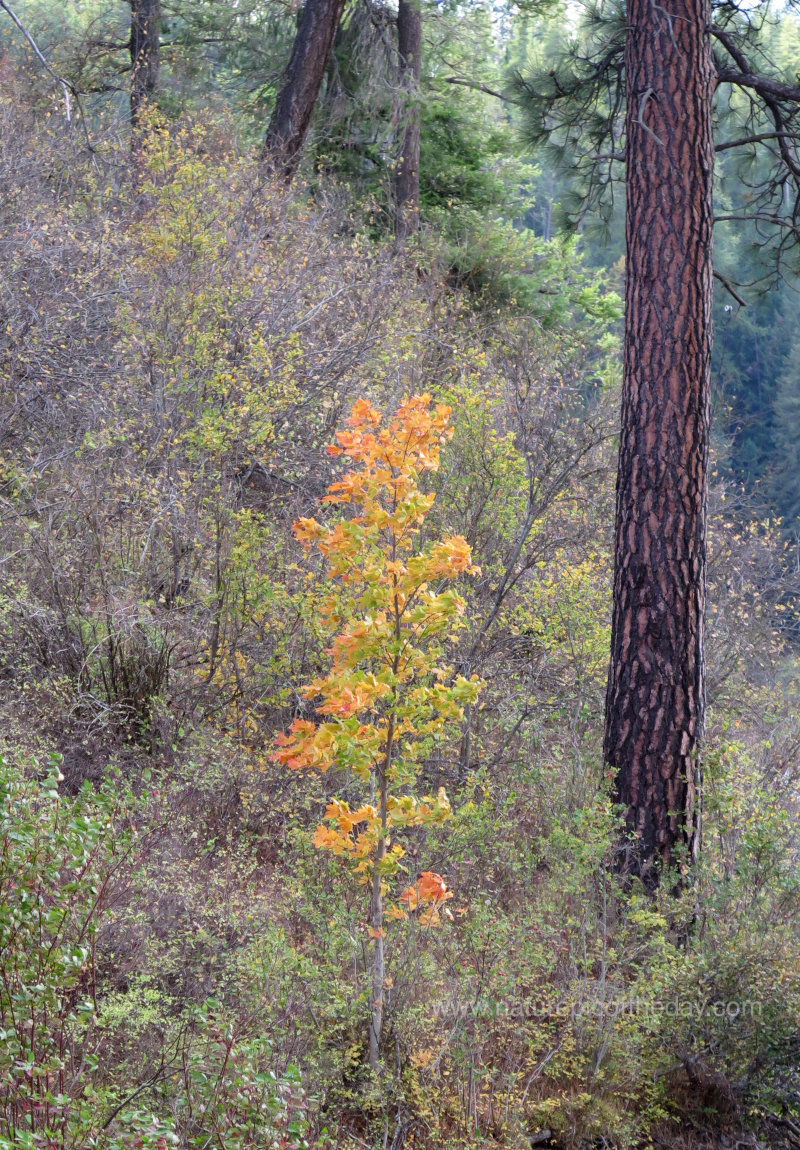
(144, 49)
(294, 107)
(655, 699)
(409, 42)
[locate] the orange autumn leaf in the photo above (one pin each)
(325, 838)
(348, 819)
(430, 887)
(295, 748)
(307, 530)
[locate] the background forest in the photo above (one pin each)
(188, 942)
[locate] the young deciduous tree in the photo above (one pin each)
(387, 699)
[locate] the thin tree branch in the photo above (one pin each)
(773, 92)
(756, 140)
(477, 87)
(726, 283)
(776, 220)
(764, 85)
(159, 1074)
(745, 78)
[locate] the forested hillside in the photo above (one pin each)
(309, 440)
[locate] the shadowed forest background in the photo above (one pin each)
(183, 338)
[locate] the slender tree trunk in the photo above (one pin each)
(376, 901)
(655, 700)
(409, 37)
(144, 45)
(376, 923)
(291, 117)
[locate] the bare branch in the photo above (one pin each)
(726, 283)
(724, 147)
(760, 217)
(480, 88)
(764, 85)
(772, 92)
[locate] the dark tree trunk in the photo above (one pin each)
(145, 27)
(655, 700)
(287, 129)
(409, 37)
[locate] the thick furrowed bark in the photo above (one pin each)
(655, 699)
(291, 117)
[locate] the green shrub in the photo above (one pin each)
(58, 881)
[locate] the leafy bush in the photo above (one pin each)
(59, 879)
